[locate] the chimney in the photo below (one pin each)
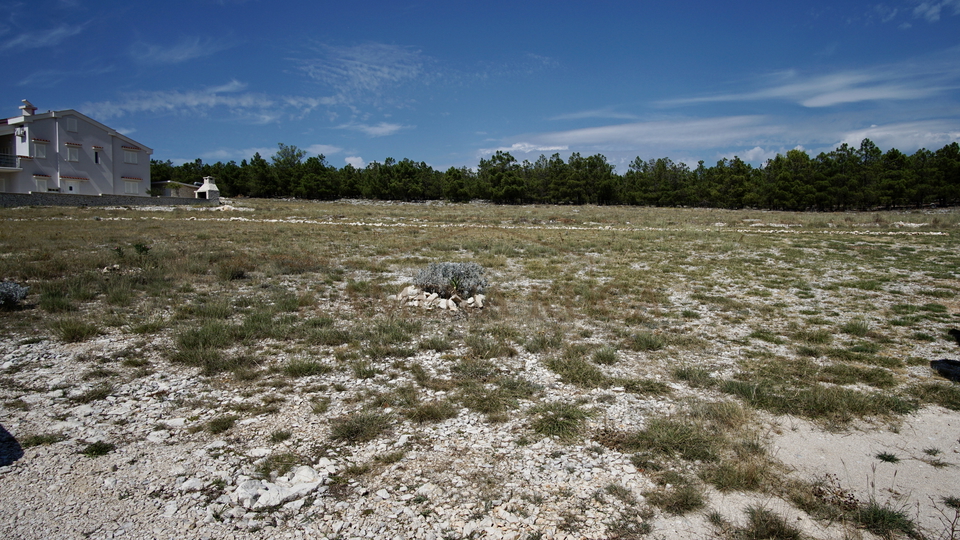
(27, 108)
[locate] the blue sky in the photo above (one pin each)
(448, 82)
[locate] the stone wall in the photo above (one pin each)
(8, 200)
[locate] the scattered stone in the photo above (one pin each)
(413, 297)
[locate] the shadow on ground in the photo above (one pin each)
(10, 449)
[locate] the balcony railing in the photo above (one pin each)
(9, 161)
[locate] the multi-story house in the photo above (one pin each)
(67, 152)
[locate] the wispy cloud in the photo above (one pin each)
(195, 102)
(595, 113)
(379, 130)
(905, 81)
(252, 107)
(187, 48)
(363, 72)
(931, 11)
(46, 78)
(695, 132)
(42, 38)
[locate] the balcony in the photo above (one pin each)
(9, 163)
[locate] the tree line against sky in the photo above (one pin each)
(847, 178)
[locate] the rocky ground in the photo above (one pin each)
(109, 438)
(464, 477)
(164, 480)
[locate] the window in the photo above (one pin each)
(131, 188)
(96, 156)
(73, 153)
(71, 124)
(40, 150)
(41, 185)
(130, 156)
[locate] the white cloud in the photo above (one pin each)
(930, 134)
(697, 132)
(595, 113)
(356, 161)
(43, 38)
(913, 80)
(524, 148)
(187, 48)
(236, 154)
(232, 86)
(753, 155)
(380, 130)
(325, 149)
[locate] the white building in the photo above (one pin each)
(67, 152)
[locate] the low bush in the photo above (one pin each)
(447, 279)
(11, 294)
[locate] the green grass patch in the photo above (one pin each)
(359, 427)
(305, 368)
(559, 419)
(73, 329)
(97, 449)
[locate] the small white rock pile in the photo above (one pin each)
(289, 490)
(415, 297)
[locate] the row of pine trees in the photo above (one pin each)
(847, 178)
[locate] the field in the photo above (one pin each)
(634, 372)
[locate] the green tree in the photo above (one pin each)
(501, 175)
(455, 185)
(260, 178)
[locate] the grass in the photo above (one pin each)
(574, 369)
(435, 411)
(97, 449)
(605, 356)
(940, 393)
(97, 393)
(675, 437)
(278, 464)
(764, 524)
(41, 439)
(884, 520)
(558, 419)
(678, 499)
(645, 341)
(221, 424)
(696, 377)
(306, 368)
(74, 329)
(656, 302)
(359, 427)
(887, 457)
(280, 435)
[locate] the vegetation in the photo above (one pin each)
(846, 178)
(651, 335)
